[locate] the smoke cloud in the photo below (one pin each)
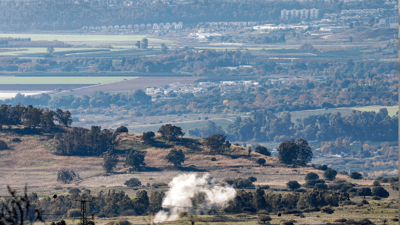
(186, 186)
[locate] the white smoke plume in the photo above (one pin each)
(186, 186)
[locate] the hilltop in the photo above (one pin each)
(32, 161)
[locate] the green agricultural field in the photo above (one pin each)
(392, 110)
(26, 51)
(62, 80)
(86, 38)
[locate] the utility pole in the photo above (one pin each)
(83, 211)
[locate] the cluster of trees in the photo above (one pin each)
(259, 200)
(104, 204)
(82, 141)
(32, 117)
(358, 126)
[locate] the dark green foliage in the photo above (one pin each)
(147, 137)
(259, 199)
(264, 187)
(133, 182)
(394, 185)
(311, 183)
(322, 167)
(311, 176)
(135, 159)
(217, 143)
(157, 185)
(263, 150)
(327, 209)
(239, 182)
(359, 222)
(81, 141)
(170, 132)
(3, 145)
(321, 186)
(155, 201)
(121, 129)
(376, 183)
(330, 174)
(320, 198)
(110, 161)
(261, 161)
(380, 192)
(356, 175)
(213, 159)
(295, 152)
(175, 157)
(16, 140)
(262, 218)
(364, 192)
(66, 176)
(293, 185)
(63, 117)
(365, 202)
(252, 179)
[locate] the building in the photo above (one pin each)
(302, 14)
(389, 22)
(314, 14)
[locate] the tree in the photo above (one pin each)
(47, 119)
(110, 161)
(3, 145)
(63, 117)
(262, 218)
(66, 176)
(330, 174)
(133, 182)
(261, 161)
(295, 152)
(148, 137)
(164, 48)
(311, 176)
(50, 49)
(293, 185)
(364, 192)
(135, 159)
(356, 176)
(144, 44)
(121, 129)
(263, 150)
(137, 44)
(170, 132)
(380, 192)
(259, 199)
(217, 143)
(175, 157)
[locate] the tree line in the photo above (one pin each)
(267, 126)
(32, 117)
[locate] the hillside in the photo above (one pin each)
(31, 161)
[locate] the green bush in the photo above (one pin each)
(380, 192)
(121, 129)
(356, 176)
(293, 185)
(311, 176)
(327, 209)
(16, 140)
(3, 145)
(157, 185)
(264, 187)
(311, 183)
(213, 159)
(133, 182)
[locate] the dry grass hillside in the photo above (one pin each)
(31, 161)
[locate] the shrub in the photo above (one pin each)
(321, 186)
(263, 150)
(3, 145)
(327, 209)
(122, 222)
(121, 129)
(356, 176)
(252, 179)
(66, 176)
(133, 182)
(261, 161)
(341, 220)
(157, 185)
(16, 140)
(322, 167)
(264, 187)
(311, 176)
(311, 183)
(213, 159)
(293, 185)
(74, 191)
(376, 183)
(365, 202)
(380, 192)
(364, 192)
(330, 174)
(376, 198)
(262, 218)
